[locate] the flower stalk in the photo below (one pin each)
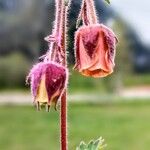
(55, 39)
(87, 13)
(63, 122)
(63, 110)
(92, 11)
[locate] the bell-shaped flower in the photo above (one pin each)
(95, 48)
(48, 81)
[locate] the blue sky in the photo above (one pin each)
(137, 14)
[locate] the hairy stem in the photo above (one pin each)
(59, 4)
(53, 46)
(83, 15)
(92, 11)
(63, 119)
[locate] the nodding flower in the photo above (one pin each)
(48, 81)
(95, 47)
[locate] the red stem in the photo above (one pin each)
(64, 122)
(63, 112)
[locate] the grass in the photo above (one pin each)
(80, 83)
(137, 80)
(124, 125)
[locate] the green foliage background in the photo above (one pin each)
(124, 126)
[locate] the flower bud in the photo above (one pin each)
(48, 81)
(95, 48)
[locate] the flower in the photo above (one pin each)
(48, 81)
(95, 48)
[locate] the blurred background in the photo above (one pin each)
(116, 107)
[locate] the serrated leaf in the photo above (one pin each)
(96, 143)
(108, 1)
(82, 146)
(90, 145)
(101, 144)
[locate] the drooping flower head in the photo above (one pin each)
(48, 81)
(48, 78)
(95, 50)
(95, 44)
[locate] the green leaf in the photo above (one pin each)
(101, 144)
(82, 146)
(90, 145)
(96, 143)
(108, 1)
(93, 145)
